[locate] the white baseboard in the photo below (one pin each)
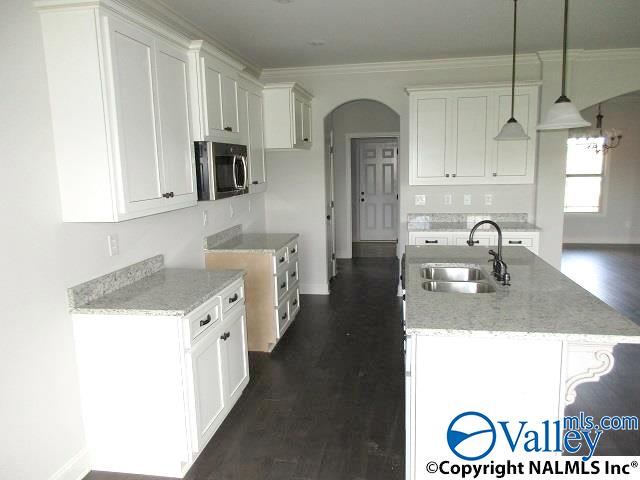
(602, 241)
(314, 288)
(76, 467)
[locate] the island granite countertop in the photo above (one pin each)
(147, 288)
(541, 301)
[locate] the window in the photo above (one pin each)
(585, 168)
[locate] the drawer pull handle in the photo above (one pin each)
(284, 317)
(293, 274)
(474, 241)
(293, 251)
(234, 298)
(283, 285)
(305, 139)
(205, 321)
(228, 129)
(295, 303)
(282, 259)
(431, 241)
(224, 336)
(515, 242)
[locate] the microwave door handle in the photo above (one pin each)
(233, 170)
(246, 176)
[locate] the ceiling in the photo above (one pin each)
(274, 34)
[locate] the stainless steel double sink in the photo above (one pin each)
(456, 279)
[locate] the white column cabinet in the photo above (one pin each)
(452, 135)
(119, 94)
(256, 149)
(287, 116)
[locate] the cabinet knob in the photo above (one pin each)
(495, 174)
(446, 175)
(454, 174)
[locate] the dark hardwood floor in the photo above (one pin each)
(328, 403)
(612, 273)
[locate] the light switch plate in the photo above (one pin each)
(113, 245)
(448, 199)
(467, 199)
(421, 200)
(488, 199)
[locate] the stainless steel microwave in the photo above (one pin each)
(221, 170)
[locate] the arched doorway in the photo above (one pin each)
(361, 141)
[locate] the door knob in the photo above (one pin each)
(362, 199)
(328, 217)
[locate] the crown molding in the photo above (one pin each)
(292, 85)
(403, 66)
(465, 86)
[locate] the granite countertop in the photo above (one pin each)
(166, 292)
(251, 242)
(466, 227)
(541, 301)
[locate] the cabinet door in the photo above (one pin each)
(229, 104)
(243, 117)
(430, 139)
(298, 107)
(256, 139)
(306, 122)
(512, 158)
(471, 149)
(236, 356)
(213, 98)
(133, 67)
(207, 364)
(175, 133)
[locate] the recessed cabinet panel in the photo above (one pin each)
(237, 363)
(306, 122)
(133, 65)
(431, 137)
(471, 147)
(229, 104)
(511, 157)
(256, 139)
(213, 82)
(173, 101)
(298, 107)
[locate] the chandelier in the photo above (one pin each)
(610, 138)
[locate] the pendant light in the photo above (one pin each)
(512, 130)
(563, 114)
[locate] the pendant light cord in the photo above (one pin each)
(564, 49)
(513, 63)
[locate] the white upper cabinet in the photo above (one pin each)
(216, 99)
(452, 135)
(287, 116)
(119, 95)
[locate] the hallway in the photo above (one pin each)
(328, 403)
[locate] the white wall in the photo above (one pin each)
(618, 222)
(41, 257)
(362, 116)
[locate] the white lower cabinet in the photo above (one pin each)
(528, 239)
(156, 388)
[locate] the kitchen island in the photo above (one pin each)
(514, 354)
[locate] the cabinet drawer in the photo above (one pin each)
(518, 242)
(293, 272)
(282, 318)
(232, 296)
(431, 240)
(280, 260)
(294, 303)
(281, 286)
(203, 318)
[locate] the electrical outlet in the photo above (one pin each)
(205, 218)
(488, 199)
(448, 199)
(467, 199)
(421, 199)
(112, 243)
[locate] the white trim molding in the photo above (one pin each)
(76, 468)
(314, 288)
